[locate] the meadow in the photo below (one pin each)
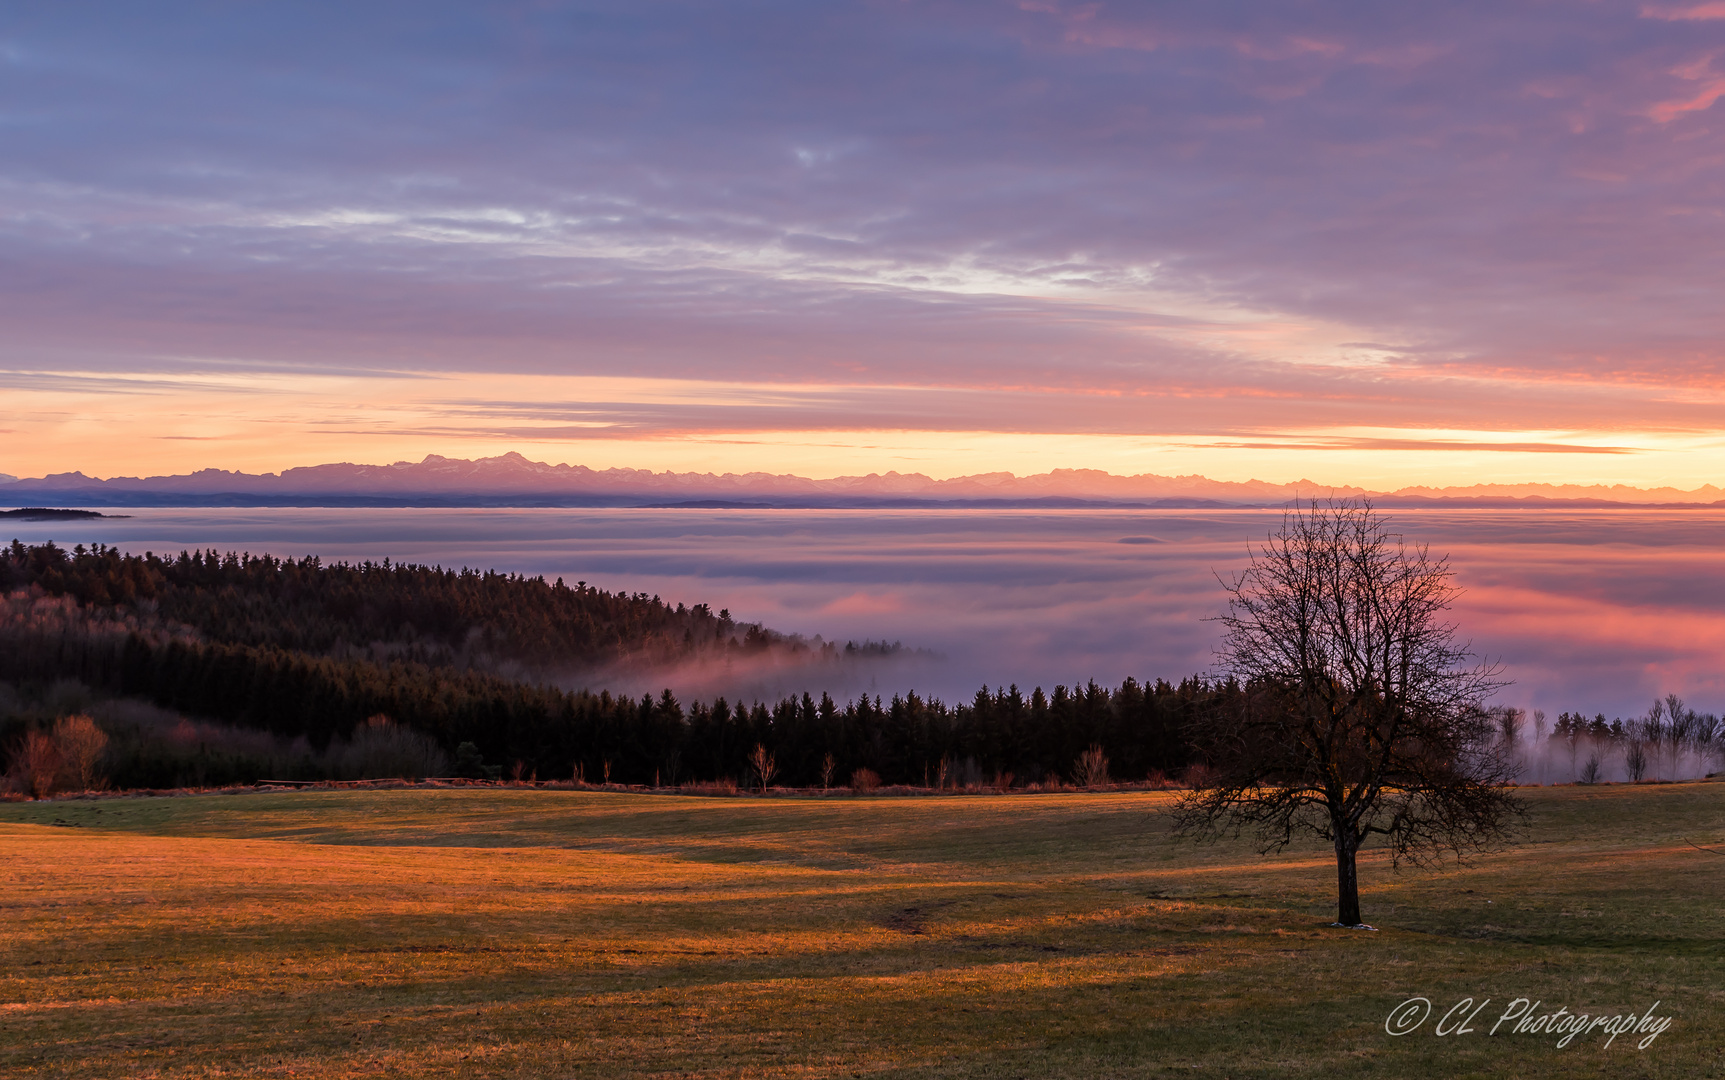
(539, 933)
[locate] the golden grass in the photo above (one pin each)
(504, 932)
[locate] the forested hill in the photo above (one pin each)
(382, 610)
(248, 667)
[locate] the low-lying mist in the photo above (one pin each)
(768, 673)
(1595, 611)
(1670, 741)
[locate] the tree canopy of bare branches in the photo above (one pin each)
(1363, 715)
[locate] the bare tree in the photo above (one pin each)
(1708, 733)
(1539, 742)
(1656, 732)
(762, 765)
(1510, 721)
(1635, 757)
(1363, 716)
(1683, 721)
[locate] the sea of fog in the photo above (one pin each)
(1596, 611)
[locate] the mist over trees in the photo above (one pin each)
(206, 669)
(1670, 741)
(505, 623)
(282, 649)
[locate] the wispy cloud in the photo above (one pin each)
(1684, 13)
(1428, 444)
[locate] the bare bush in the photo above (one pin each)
(82, 745)
(1590, 771)
(864, 780)
(724, 785)
(383, 749)
(1091, 769)
(1197, 776)
(35, 765)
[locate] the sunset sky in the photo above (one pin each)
(1361, 243)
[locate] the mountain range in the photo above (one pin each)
(513, 480)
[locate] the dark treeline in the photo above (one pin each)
(552, 733)
(394, 610)
(309, 653)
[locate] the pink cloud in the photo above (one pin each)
(1694, 13)
(1711, 90)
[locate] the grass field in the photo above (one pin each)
(520, 932)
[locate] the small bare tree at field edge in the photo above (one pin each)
(1363, 715)
(762, 765)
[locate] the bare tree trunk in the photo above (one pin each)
(1347, 883)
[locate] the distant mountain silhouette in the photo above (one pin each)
(513, 480)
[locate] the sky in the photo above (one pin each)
(1360, 243)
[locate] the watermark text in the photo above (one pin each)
(1525, 1016)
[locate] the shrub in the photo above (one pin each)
(864, 780)
(1197, 776)
(1091, 769)
(1590, 771)
(383, 749)
(82, 745)
(35, 765)
(469, 764)
(724, 785)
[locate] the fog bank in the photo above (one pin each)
(1589, 611)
